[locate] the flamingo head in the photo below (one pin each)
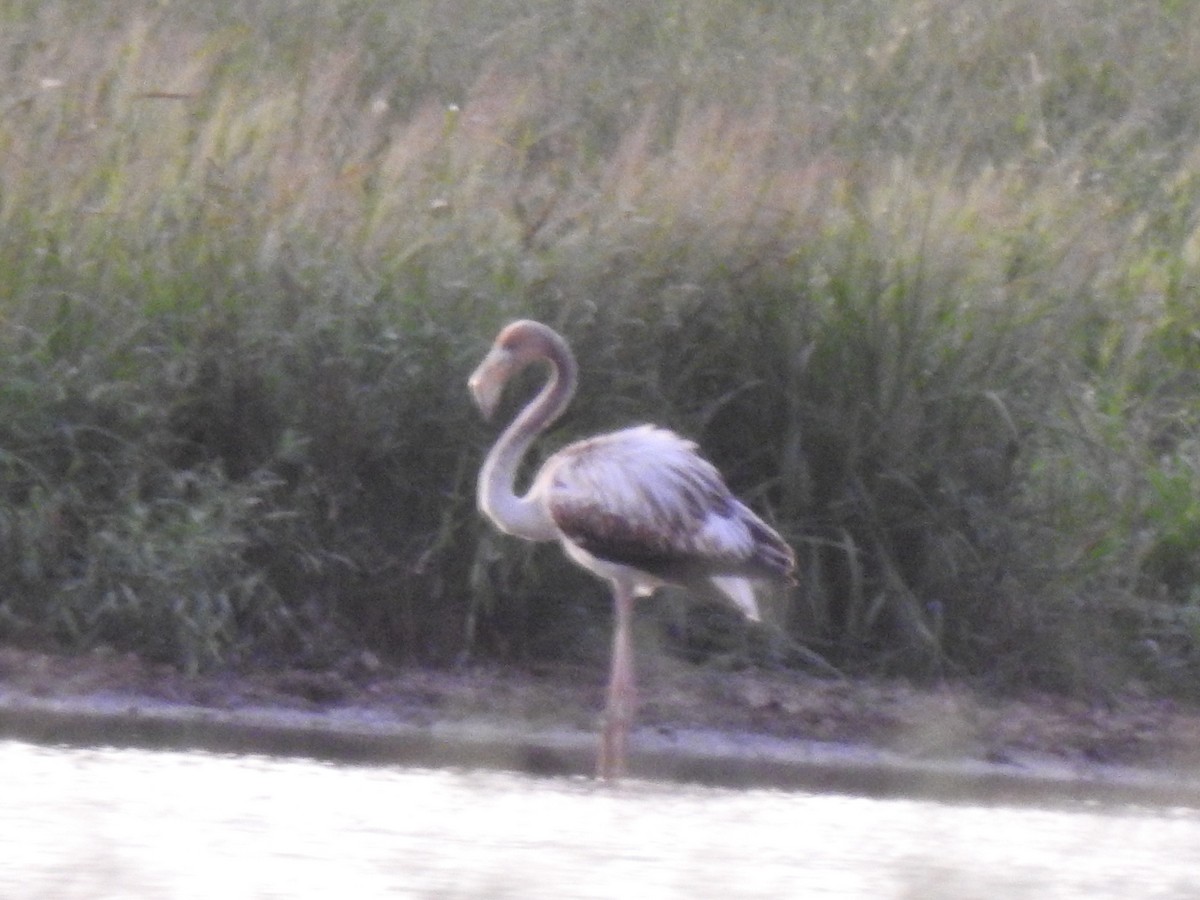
(487, 381)
(517, 345)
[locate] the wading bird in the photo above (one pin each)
(637, 507)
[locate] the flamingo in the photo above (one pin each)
(638, 507)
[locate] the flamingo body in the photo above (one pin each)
(643, 500)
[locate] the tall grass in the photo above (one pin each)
(920, 276)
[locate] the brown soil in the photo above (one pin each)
(943, 723)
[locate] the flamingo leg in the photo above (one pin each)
(622, 692)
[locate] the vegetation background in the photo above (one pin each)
(921, 276)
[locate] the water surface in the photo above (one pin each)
(138, 823)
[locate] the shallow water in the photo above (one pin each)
(137, 823)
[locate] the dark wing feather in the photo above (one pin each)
(643, 498)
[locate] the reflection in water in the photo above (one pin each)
(132, 823)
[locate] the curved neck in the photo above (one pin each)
(524, 516)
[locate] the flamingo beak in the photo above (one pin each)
(487, 381)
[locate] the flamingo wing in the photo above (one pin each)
(643, 498)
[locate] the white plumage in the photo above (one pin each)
(637, 507)
(644, 498)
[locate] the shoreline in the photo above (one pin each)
(693, 756)
(735, 730)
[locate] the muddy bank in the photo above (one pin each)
(739, 729)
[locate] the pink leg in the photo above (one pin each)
(622, 694)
